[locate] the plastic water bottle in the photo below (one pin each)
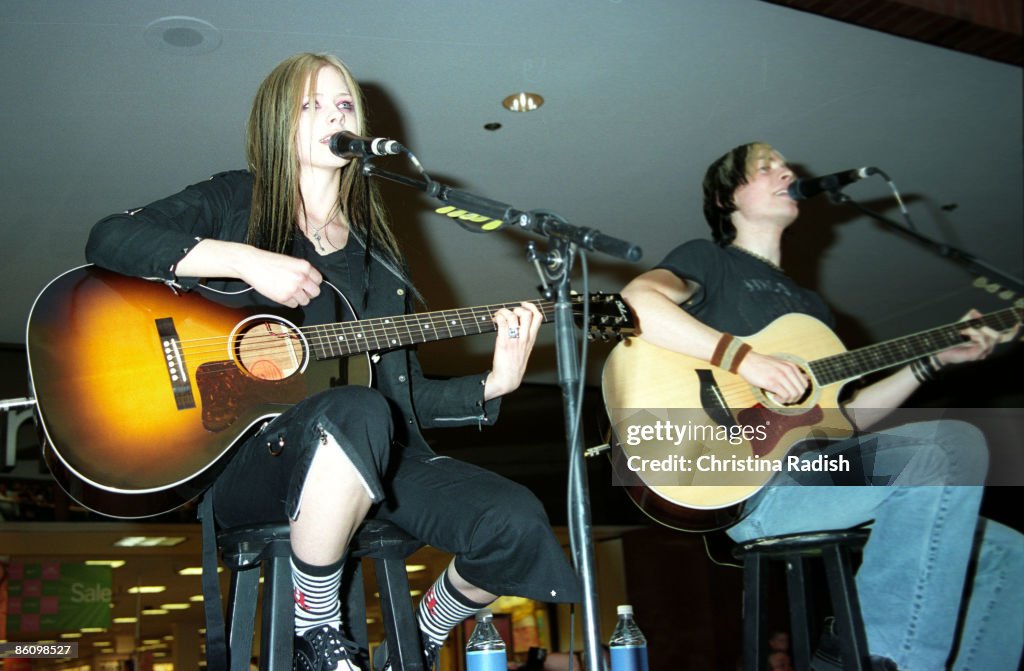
(485, 650)
(628, 646)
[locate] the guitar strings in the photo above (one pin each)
(359, 336)
(872, 358)
(846, 365)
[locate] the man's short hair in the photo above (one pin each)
(721, 180)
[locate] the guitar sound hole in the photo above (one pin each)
(808, 400)
(270, 350)
(800, 402)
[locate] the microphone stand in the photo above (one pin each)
(564, 239)
(973, 263)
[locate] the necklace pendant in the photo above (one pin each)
(319, 243)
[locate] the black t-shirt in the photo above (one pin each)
(738, 293)
(345, 270)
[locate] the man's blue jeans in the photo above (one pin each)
(925, 534)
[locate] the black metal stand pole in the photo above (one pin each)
(579, 492)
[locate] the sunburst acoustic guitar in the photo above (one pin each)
(696, 441)
(141, 392)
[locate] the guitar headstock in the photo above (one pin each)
(609, 316)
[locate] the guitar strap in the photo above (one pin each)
(216, 643)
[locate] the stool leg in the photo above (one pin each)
(245, 586)
(278, 615)
(353, 604)
(796, 585)
(400, 623)
(843, 589)
(755, 647)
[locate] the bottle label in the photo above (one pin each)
(486, 660)
(629, 658)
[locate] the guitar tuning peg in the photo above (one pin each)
(1006, 294)
(980, 282)
(992, 288)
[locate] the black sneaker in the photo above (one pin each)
(322, 649)
(828, 658)
(382, 660)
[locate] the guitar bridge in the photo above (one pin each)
(711, 399)
(177, 373)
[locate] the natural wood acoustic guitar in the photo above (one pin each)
(696, 441)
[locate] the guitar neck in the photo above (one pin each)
(329, 341)
(859, 362)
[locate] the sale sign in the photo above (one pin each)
(57, 596)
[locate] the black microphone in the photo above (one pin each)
(350, 145)
(812, 186)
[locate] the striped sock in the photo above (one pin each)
(443, 607)
(316, 595)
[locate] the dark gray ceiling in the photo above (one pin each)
(641, 96)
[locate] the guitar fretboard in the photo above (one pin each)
(341, 339)
(859, 362)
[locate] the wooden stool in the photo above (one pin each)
(245, 550)
(833, 548)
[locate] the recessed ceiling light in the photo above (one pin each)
(112, 563)
(523, 101)
(147, 589)
(183, 35)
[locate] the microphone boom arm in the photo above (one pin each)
(973, 263)
(541, 223)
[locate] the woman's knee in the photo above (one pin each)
(359, 415)
(515, 518)
(354, 403)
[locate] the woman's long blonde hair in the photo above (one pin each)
(273, 160)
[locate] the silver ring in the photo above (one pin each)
(513, 331)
